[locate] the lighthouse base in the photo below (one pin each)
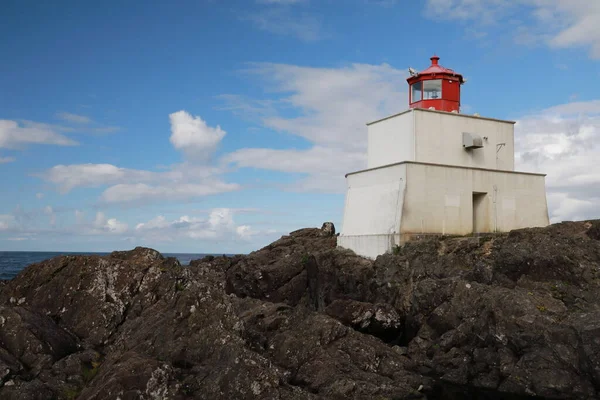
(390, 205)
(369, 246)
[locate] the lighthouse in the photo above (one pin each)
(432, 170)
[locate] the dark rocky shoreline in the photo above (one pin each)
(509, 316)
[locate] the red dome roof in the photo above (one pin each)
(435, 88)
(435, 69)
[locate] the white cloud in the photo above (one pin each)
(14, 136)
(244, 231)
(102, 225)
(326, 166)
(28, 224)
(4, 160)
(181, 181)
(157, 222)
(39, 195)
(578, 22)
(6, 222)
(558, 23)
(68, 177)
(334, 103)
(219, 225)
(122, 193)
(75, 118)
(332, 106)
(562, 142)
(192, 179)
(114, 226)
(193, 136)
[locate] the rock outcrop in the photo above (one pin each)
(507, 316)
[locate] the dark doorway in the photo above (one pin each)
(480, 212)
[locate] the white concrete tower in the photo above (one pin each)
(431, 171)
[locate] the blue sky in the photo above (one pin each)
(218, 126)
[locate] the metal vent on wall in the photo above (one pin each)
(472, 141)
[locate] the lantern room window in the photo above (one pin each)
(416, 92)
(432, 90)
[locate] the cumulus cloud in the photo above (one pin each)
(332, 106)
(193, 136)
(219, 225)
(216, 228)
(4, 160)
(13, 135)
(244, 230)
(558, 23)
(182, 181)
(561, 141)
(192, 179)
(111, 225)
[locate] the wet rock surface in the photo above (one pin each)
(508, 316)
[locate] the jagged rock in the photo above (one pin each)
(104, 287)
(506, 316)
(379, 320)
(139, 254)
(31, 342)
(278, 272)
(328, 229)
(325, 357)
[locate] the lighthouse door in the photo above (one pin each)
(480, 217)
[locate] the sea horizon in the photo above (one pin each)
(12, 262)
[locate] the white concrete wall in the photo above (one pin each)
(372, 212)
(374, 201)
(369, 246)
(439, 200)
(439, 140)
(391, 140)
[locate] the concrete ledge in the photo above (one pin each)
(441, 112)
(446, 166)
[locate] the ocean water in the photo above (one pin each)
(13, 262)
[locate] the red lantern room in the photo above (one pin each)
(436, 87)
